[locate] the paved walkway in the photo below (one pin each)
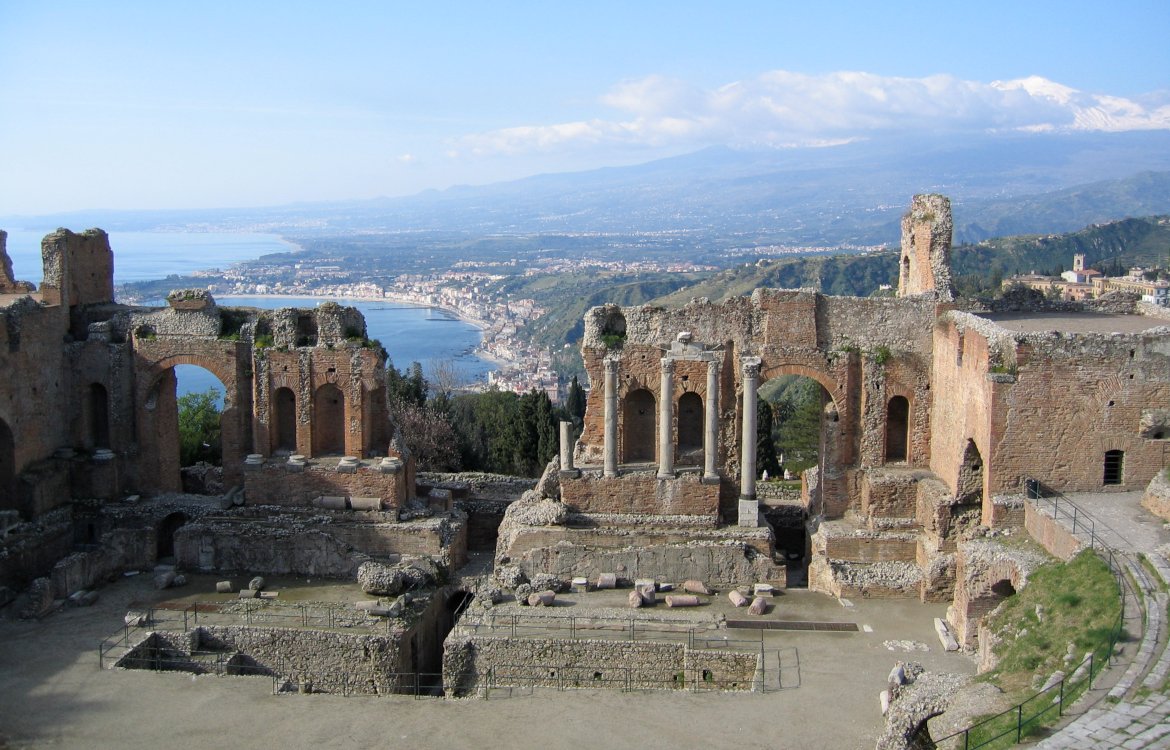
(1136, 712)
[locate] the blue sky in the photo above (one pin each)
(220, 104)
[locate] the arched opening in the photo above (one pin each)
(166, 535)
(200, 407)
(639, 427)
(1114, 467)
(690, 428)
(897, 428)
(7, 468)
(328, 421)
(1003, 588)
(284, 420)
(797, 432)
(790, 423)
(98, 417)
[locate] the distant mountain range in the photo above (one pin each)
(848, 194)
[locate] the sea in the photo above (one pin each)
(432, 337)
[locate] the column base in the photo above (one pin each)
(666, 476)
(749, 512)
(710, 479)
(609, 474)
(569, 473)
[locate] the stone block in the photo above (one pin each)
(696, 587)
(223, 587)
(759, 606)
(945, 637)
(607, 581)
(365, 503)
(682, 600)
(737, 598)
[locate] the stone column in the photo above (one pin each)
(611, 417)
(567, 449)
(749, 508)
(666, 421)
(711, 423)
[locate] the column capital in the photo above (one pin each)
(668, 365)
(611, 366)
(751, 367)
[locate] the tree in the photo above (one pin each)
(765, 448)
(408, 387)
(429, 437)
(575, 403)
(199, 428)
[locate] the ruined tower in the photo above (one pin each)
(926, 248)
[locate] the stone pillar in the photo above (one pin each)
(749, 508)
(711, 424)
(666, 421)
(611, 417)
(567, 449)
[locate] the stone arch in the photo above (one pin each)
(897, 429)
(97, 417)
(284, 417)
(328, 420)
(690, 422)
(639, 426)
(7, 468)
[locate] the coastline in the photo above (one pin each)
(340, 299)
(481, 325)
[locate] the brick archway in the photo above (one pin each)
(157, 412)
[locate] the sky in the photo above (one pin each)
(142, 105)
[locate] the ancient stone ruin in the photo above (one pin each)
(935, 418)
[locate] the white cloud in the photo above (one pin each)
(783, 108)
(406, 158)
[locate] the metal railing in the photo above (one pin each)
(1047, 706)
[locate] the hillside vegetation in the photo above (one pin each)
(1112, 248)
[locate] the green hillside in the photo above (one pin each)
(1111, 248)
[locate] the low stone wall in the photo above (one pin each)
(539, 662)
(257, 548)
(120, 550)
(31, 550)
(640, 493)
(1157, 497)
(1053, 536)
(317, 545)
(326, 661)
(275, 484)
(663, 555)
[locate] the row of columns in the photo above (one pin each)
(751, 381)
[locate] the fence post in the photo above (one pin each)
(633, 637)
(1019, 722)
(1060, 702)
(1090, 670)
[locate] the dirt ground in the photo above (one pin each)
(52, 694)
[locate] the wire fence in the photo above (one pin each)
(1046, 707)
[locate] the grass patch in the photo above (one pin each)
(1159, 584)
(1076, 603)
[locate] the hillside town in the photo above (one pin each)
(1081, 283)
